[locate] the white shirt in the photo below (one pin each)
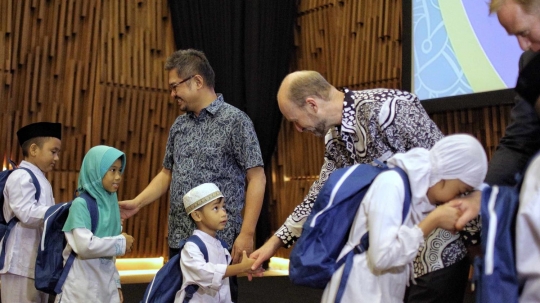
(528, 235)
(381, 273)
(208, 275)
(23, 242)
(93, 277)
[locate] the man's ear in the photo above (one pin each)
(196, 215)
(199, 81)
(311, 103)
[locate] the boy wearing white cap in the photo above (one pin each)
(205, 204)
(41, 144)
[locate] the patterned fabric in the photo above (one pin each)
(218, 146)
(376, 124)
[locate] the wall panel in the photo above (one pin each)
(97, 67)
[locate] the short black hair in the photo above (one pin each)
(39, 141)
(189, 62)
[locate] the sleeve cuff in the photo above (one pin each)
(217, 281)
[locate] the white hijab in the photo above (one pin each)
(458, 156)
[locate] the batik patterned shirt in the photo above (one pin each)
(218, 146)
(376, 124)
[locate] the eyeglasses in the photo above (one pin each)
(173, 86)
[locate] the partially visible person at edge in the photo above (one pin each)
(520, 18)
(211, 142)
(41, 144)
(520, 142)
(360, 127)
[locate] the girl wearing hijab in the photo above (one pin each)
(93, 276)
(454, 166)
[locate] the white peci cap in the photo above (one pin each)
(200, 196)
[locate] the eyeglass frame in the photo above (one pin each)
(172, 87)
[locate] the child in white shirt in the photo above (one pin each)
(528, 234)
(93, 277)
(454, 166)
(40, 143)
(206, 206)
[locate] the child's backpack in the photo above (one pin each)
(168, 279)
(6, 227)
(50, 271)
(495, 274)
(314, 257)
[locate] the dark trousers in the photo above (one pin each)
(233, 282)
(445, 285)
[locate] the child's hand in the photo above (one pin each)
(129, 242)
(246, 262)
(121, 295)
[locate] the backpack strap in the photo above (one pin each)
(14, 220)
(226, 246)
(192, 288)
(364, 241)
(94, 217)
(35, 181)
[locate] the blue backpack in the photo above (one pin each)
(168, 279)
(6, 227)
(314, 257)
(50, 271)
(495, 274)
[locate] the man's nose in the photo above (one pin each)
(524, 43)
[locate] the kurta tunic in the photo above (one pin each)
(208, 275)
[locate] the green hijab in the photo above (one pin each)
(96, 163)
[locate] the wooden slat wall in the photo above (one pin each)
(97, 67)
(355, 44)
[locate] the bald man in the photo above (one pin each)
(360, 127)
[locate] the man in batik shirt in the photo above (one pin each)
(360, 127)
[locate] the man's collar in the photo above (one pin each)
(348, 120)
(213, 107)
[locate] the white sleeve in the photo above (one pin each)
(391, 244)
(528, 235)
(197, 271)
(20, 193)
(88, 246)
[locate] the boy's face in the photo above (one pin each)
(446, 190)
(212, 217)
(113, 177)
(45, 157)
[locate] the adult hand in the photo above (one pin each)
(247, 263)
(243, 242)
(469, 206)
(128, 208)
(265, 252)
(448, 214)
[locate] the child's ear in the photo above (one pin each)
(196, 216)
(33, 149)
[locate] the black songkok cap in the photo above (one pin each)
(39, 129)
(528, 83)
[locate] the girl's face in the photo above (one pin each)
(446, 190)
(113, 177)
